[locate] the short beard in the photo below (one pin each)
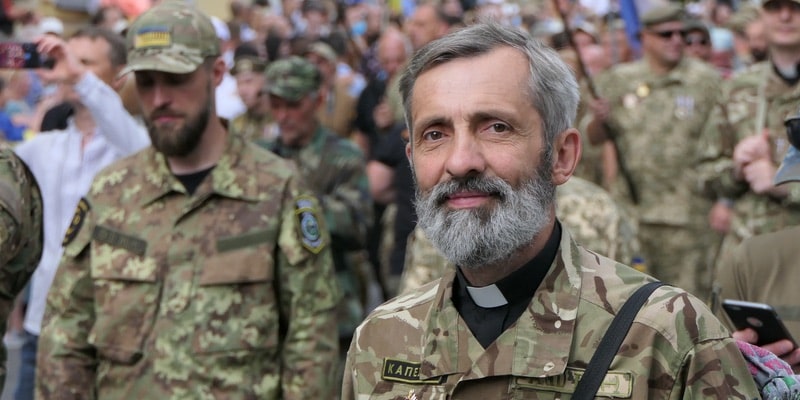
(489, 234)
(184, 141)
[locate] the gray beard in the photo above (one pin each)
(488, 235)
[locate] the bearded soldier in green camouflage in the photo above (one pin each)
(20, 234)
(333, 167)
(744, 141)
(588, 211)
(523, 311)
(657, 107)
(199, 268)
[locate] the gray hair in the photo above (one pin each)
(552, 89)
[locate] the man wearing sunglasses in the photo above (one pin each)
(656, 108)
(743, 143)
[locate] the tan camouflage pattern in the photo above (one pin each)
(21, 235)
(226, 293)
(173, 36)
(658, 121)
(335, 170)
(676, 349)
(252, 128)
(733, 120)
(595, 220)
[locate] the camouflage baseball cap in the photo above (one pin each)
(171, 37)
(292, 78)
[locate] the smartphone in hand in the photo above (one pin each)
(760, 317)
(21, 55)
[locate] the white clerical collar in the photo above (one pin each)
(487, 296)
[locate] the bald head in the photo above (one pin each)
(393, 51)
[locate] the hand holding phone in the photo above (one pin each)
(761, 318)
(20, 55)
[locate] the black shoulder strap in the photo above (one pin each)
(609, 346)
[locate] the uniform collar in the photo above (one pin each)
(223, 179)
(537, 345)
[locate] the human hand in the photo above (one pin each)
(760, 175)
(784, 348)
(750, 149)
(67, 68)
(719, 218)
(600, 107)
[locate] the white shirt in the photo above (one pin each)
(65, 172)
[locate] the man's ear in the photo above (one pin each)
(218, 70)
(119, 81)
(566, 154)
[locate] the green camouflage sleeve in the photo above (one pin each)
(346, 201)
(308, 293)
(20, 235)
(65, 360)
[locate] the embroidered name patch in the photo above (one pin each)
(308, 222)
(77, 221)
(405, 372)
(113, 238)
(152, 37)
(616, 384)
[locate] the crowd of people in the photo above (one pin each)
(215, 207)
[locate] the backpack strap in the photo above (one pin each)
(609, 346)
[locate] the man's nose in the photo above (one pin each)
(466, 156)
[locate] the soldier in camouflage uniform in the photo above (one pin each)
(744, 140)
(21, 235)
(656, 107)
(199, 268)
(256, 123)
(523, 312)
(588, 211)
(335, 170)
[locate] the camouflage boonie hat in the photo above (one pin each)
(666, 13)
(172, 37)
(292, 78)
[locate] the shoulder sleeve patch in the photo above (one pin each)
(308, 224)
(77, 221)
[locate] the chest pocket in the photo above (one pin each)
(126, 295)
(235, 297)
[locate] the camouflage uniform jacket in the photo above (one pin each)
(657, 121)
(417, 347)
(226, 293)
(21, 235)
(253, 128)
(597, 222)
(734, 119)
(335, 170)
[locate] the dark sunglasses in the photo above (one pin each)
(669, 34)
(690, 41)
(793, 130)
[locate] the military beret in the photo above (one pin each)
(663, 13)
